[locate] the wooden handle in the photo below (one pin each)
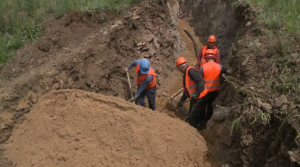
(174, 95)
(129, 84)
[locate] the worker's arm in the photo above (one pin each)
(195, 75)
(218, 56)
(143, 86)
(132, 64)
(183, 98)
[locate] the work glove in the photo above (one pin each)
(132, 99)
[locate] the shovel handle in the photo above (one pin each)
(129, 84)
(175, 94)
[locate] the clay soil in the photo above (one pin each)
(63, 97)
(78, 128)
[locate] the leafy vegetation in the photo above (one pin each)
(235, 125)
(279, 14)
(22, 20)
(279, 25)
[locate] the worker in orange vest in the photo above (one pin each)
(193, 86)
(211, 73)
(146, 83)
(211, 41)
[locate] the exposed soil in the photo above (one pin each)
(77, 52)
(44, 123)
(89, 53)
(190, 55)
(78, 128)
(266, 114)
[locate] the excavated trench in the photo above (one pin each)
(218, 18)
(79, 52)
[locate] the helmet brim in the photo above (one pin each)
(145, 72)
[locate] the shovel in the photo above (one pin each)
(129, 84)
(180, 109)
(172, 106)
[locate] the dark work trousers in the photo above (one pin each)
(198, 107)
(197, 112)
(210, 96)
(151, 98)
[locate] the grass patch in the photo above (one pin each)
(279, 22)
(279, 14)
(235, 125)
(261, 117)
(285, 70)
(21, 21)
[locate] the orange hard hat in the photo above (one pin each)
(180, 61)
(212, 39)
(210, 54)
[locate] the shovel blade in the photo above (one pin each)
(172, 105)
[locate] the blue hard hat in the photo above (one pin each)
(144, 66)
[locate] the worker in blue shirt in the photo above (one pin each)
(146, 83)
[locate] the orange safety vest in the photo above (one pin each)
(139, 80)
(211, 76)
(203, 61)
(191, 86)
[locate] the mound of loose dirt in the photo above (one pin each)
(78, 128)
(88, 52)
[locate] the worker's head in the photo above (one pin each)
(181, 64)
(210, 55)
(144, 66)
(211, 41)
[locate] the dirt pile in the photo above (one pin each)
(78, 128)
(88, 52)
(79, 51)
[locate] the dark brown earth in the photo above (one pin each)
(81, 52)
(261, 95)
(89, 53)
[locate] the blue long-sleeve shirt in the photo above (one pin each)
(144, 83)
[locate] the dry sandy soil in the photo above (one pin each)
(79, 55)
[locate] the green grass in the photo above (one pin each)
(279, 14)
(281, 19)
(261, 118)
(235, 125)
(280, 23)
(21, 21)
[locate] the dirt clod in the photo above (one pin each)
(266, 107)
(280, 101)
(257, 102)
